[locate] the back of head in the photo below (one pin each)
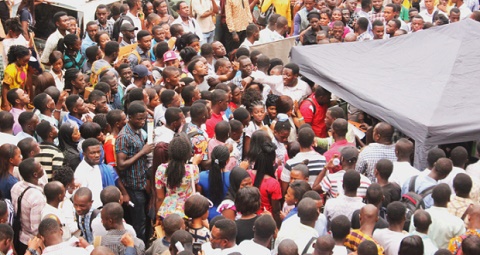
(340, 126)
(411, 245)
(287, 247)
(27, 168)
(367, 247)
(459, 156)
(340, 227)
(222, 130)
(6, 232)
(471, 245)
(307, 210)
(48, 227)
(396, 213)
(182, 237)
(443, 167)
(196, 206)
(422, 220)
(53, 190)
(102, 250)
(228, 229)
(6, 121)
(110, 194)
(404, 148)
(247, 200)
(306, 137)
(264, 227)
(324, 245)
(384, 168)
(113, 211)
(375, 194)
(385, 131)
(462, 184)
(351, 180)
(441, 194)
(433, 155)
(172, 223)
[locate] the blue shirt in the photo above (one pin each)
(6, 185)
(203, 181)
(72, 119)
(86, 42)
(422, 183)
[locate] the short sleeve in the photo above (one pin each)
(24, 16)
(9, 75)
(275, 190)
(121, 144)
(306, 108)
(326, 184)
(160, 179)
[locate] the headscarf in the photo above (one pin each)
(237, 175)
(65, 136)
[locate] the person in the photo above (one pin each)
(411, 245)
(473, 170)
(13, 36)
(32, 202)
(264, 229)
(16, 72)
(293, 195)
(374, 197)
(470, 245)
(369, 218)
(239, 178)
(131, 152)
(303, 234)
(182, 239)
(391, 237)
(340, 228)
(349, 202)
(235, 17)
(70, 47)
(55, 194)
(422, 222)
(199, 71)
(50, 156)
(252, 36)
(68, 137)
(74, 82)
(381, 148)
(391, 190)
(324, 245)
(247, 203)
(213, 183)
(18, 99)
(10, 157)
(461, 202)
(361, 28)
(142, 51)
(102, 12)
(444, 225)
(171, 224)
(402, 170)
(62, 22)
(28, 147)
(189, 24)
(339, 129)
(102, 250)
(219, 102)
(224, 233)
(51, 233)
(198, 137)
(112, 220)
(164, 134)
(65, 176)
(465, 11)
(28, 122)
(6, 237)
(196, 209)
(204, 11)
(84, 212)
(300, 20)
(455, 244)
(176, 181)
(378, 30)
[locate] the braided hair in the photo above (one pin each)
(17, 51)
(220, 156)
(179, 151)
(264, 163)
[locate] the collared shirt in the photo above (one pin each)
(316, 162)
(66, 248)
(237, 15)
(87, 42)
(356, 236)
(22, 135)
(246, 44)
(90, 177)
(335, 149)
(402, 171)
(84, 225)
(456, 243)
(48, 209)
(275, 82)
(16, 126)
(266, 35)
(376, 15)
(50, 157)
(212, 122)
(51, 45)
(332, 184)
(72, 119)
(371, 154)
(365, 36)
(112, 241)
(428, 247)
(131, 142)
(107, 28)
(342, 205)
(33, 202)
(299, 233)
(191, 26)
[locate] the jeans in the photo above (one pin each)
(137, 213)
(208, 37)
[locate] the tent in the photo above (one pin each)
(424, 84)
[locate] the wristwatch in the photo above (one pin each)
(32, 251)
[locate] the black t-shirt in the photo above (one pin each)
(245, 229)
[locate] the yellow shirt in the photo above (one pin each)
(282, 7)
(15, 77)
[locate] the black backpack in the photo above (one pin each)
(414, 201)
(118, 24)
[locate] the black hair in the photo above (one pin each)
(374, 194)
(247, 200)
(219, 157)
(6, 231)
(52, 190)
(433, 155)
(264, 227)
(17, 51)
(422, 220)
(206, 49)
(251, 98)
(411, 245)
(197, 110)
(218, 96)
(141, 34)
(90, 130)
(43, 129)
(196, 206)
(160, 49)
(185, 40)
(187, 93)
(264, 162)
(299, 187)
(71, 102)
(7, 151)
(175, 29)
(242, 51)
(114, 116)
(14, 24)
(235, 125)
(102, 86)
(70, 75)
(367, 247)
(6, 121)
(471, 245)
(180, 150)
(351, 180)
(275, 62)
(459, 156)
(222, 130)
(134, 109)
(67, 42)
(306, 136)
(363, 22)
(441, 194)
(101, 119)
(25, 146)
(58, 15)
(110, 194)
(27, 168)
(111, 47)
(55, 56)
(12, 96)
(172, 114)
(336, 112)
(282, 126)
(462, 184)
(191, 65)
(284, 104)
(241, 114)
(294, 67)
(24, 118)
(96, 95)
(63, 174)
(172, 223)
(340, 227)
(384, 168)
(114, 212)
(307, 210)
(92, 52)
(271, 100)
(167, 97)
(396, 212)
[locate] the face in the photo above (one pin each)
(149, 8)
(216, 240)
(272, 112)
(337, 15)
(378, 32)
(138, 120)
(225, 69)
(23, 96)
(412, 14)
(145, 42)
(77, 45)
(58, 65)
(200, 69)
(290, 197)
(324, 20)
(196, 95)
(92, 31)
(218, 49)
(113, 86)
(166, 28)
(82, 204)
(429, 4)
(23, 61)
(81, 108)
(258, 113)
(32, 124)
(337, 32)
(126, 75)
(104, 39)
(50, 103)
(195, 45)
(309, 4)
(288, 77)
(454, 17)
(155, 101)
(184, 10)
(297, 176)
(417, 24)
(176, 102)
(159, 35)
(162, 8)
(246, 67)
(92, 155)
(174, 78)
(79, 82)
(63, 23)
(237, 96)
(331, 3)
(38, 173)
(76, 134)
(247, 182)
(101, 105)
(321, 4)
(391, 27)
(346, 15)
(282, 136)
(122, 122)
(314, 23)
(102, 16)
(328, 119)
(351, 5)
(377, 5)
(17, 157)
(388, 13)
(179, 123)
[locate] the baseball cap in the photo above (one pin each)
(140, 71)
(349, 153)
(169, 55)
(128, 27)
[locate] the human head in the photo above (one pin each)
(64, 175)
(253, 32)
(442, 168)
(137, 115)
(433, 155)
(351, 181)
(378, 29)
(110, 194)
(422, 221)
(29, 147)
(324, 245)
(411, 245)
(340, 228)
(339, 128)
(74, 81)
(247, 200)
(182, 237)
(396, 213)
(299, 172)
(91, 151)
(282, 128)
(82, 201)
(172, 223)
(196, 206)
(295, 191)
(306, 137)
(454, 15)
(112, 216)
(264, 228)
(367, 247)
(50, 231)
(441, 195)
(224, 233)
(6, 237)
(308, 211)
(46, 131)
(383, 132)
(144, 40)
(290, 74)
(471, 245)
(383, 169)
(417, 23)
(18, 98)
(462, 185)
(61, 20)
(459, 156)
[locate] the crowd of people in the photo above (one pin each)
(159, 132)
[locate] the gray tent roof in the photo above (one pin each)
(426, 84)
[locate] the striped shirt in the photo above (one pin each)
(50, 157)
(130, 142)
(112, 241)
(316, 163)
(332, 185)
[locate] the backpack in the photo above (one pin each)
(307, 98)
(94, 215)
(118, 24)
(414, 201)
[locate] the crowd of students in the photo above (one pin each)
(144, 134)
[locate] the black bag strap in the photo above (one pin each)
(305, 250)
(18, 215)
(427, 191)
(411, 185)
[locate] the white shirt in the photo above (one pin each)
(90, 177)
(9, 42)
(266, 36)
(299, 233)
(449, 179)
(48, 209)
(320, 224)
(278, 88)
(251, 247)
(192, 26)
(67, 248)
(402, 171)
(474, 170)
(389, 240)
(428, 247)
(163, 134)
(8, 138)
(246, 44)
(342, 205)
(51, 45)
(340, 250)
(159, 115)
(99, 230)
(136, 22)
(464, 11)
(68, 212)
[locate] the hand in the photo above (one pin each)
(126, 199)
(91, 107)
(282, 215)
(296, 108)
(235, 65)
(244, 164)
(35, 243)
(63, 97)
(82, 243)
(7, 107)
(88, 118)
(197, 159)
(246, 81)
(127, 240)
(147, 148)
(235, 37)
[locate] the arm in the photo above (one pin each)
(119, 184)
(276, 208)
(25, 30)
(122, 161)
(229, 17)
(229, 214)
(316, 184)
(252, 5)
(296, 24)
(5, 104)
(159, 201)
(214, 7)
(59, 105)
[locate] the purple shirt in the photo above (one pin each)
(16, 126)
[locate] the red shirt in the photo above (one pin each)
(109, 149)
(315, 119)
(335, 149)
(212, 122)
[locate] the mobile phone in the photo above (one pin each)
(197, 248)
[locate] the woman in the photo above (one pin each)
(286, 106)
(188, 40)
(177, 180)
(26, 13)
(13, 37)
(239, 178)
(10, 157)
(257, 140)
(153, 99)
(15, 74)
(101, 38)
(68, 138)
(247, 203)
(161, 8)
(215, 182)
(74, 82)
(264, 172)
(70, 47)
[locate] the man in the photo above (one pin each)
(368, 219)
(117, 120)
(331, 184)
(300, 20)
(267, 34)
(388, 13)
(140, 78)
(314, 110)
(219, 105)
(454, 15)
(6, 237)
(377, 11)
(84, 212)
(50, 156)
(340, 228)
(62, 22)
(422, 222)
(77, 108)
(349, 202)
(304, 232)
(32, 201)
(429, 11)
(471, 244)
(392, 26)
(135, 10)
(125, 72)
(391, 237)
(286, 84)
(287, 247)
(104, 23)
(224, 233)
(112, 219)
(171, 224)
(445, 226)
(199, 71)
(117, 92)
(6, 128)
(144, 40)
(374, 197)
(455, 245)
(18, 99)
(417, 23)
(99, 100)
(324, 246)
(235, 17)
(55, 194)
(465, 11)
(175, 119)
(29, 148)
(252, 35)
(51, 234)
(128, 32)
(169, 98)
(334, 113)
(460, 158)
(131, 152)
(204, 11)
(189, 24)
(402, 170)
(316, 161)
(339, 131)
(432, 156)
(171, 78)
(381, 148)
(391, 190)
(378, 29)
(219, 51)
(361, 29)
(89, 40)
(246, 69)
(112, 50)
(264, 231)
(281, 29)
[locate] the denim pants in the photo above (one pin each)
(209, 37)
